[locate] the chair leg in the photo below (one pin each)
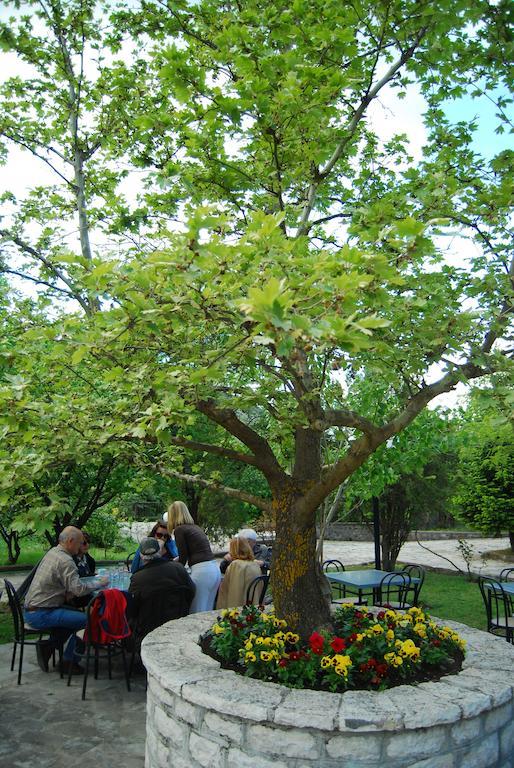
(86, 671)
(96, 662)
(125, 668)
(21, 662)
(109, 662)
(14, 646)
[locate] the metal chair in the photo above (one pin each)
(507, 574)
(393, 590)
(498, 608)
(342, 597)
(93, 645)
(414, 572)
(22, 631)
(128, 561)
(259, 583)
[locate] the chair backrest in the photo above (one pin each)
(332, 565)
(128, 561)
(415, 572)
(394, 588)
(16, 609)
(257, 588)
(507, 574)
(497, 602)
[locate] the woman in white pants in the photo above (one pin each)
(194, 549)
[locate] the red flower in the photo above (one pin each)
(436, 642)
(294, 655)
(316, 643)
(338, 644)
(381, 615)
(283, 663)
(250, 619)
(381, 669)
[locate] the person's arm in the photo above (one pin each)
(181, 542)
(136, 562)
(172, 548)
(71, 580)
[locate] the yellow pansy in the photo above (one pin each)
(250, 657)
(217, 629)
(291, 637)
(326, 662)
(389, 635)
(266, 656)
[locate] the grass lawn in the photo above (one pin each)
(33, 551)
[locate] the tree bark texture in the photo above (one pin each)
(296, 576)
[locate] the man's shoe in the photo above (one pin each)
(76, 669)
(44, 650)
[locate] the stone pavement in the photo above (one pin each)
(45, 724)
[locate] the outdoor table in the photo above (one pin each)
(117, 580)
(361, 581)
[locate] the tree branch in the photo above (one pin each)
(265, 459)
(368, 97)
(340, 417)
(234, 493)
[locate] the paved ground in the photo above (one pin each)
(45, 724)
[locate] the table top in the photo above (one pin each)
(508, 586)
(369, 578)
(117, 580)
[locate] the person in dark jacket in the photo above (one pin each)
(161, 591)
(169, 549)
(86, 565)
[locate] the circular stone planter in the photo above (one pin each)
(201, 715)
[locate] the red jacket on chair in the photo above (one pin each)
(108, 621)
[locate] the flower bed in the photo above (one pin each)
(369, 651)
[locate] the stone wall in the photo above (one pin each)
(200, 715)
(362, 532)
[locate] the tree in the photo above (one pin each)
(278, 249)
(485, 493)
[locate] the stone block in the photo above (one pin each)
(308, 709)
(187, 712)
(285, 743)
(363, 748)
(224, 727)
(369, 711)
(439, 761)
(169, 728)
(484, 754)
(424, 707)
(419, 744)
(467, 731)
(498, 718)
(205, 751)
(231, 694)
(471, 703)
(236, 758)
(490, 683)
(507, 742)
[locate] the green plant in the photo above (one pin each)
(368, 650)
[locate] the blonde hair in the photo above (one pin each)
(178, 514)
(240, 549)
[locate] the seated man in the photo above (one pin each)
(161, 590)
(261, 552)
(55, 582)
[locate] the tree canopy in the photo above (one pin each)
(277, 252)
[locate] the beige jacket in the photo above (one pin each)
(238, 577)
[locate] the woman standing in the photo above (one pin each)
(194, 549)
(240, 573)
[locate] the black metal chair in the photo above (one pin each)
(342, 597)
(128, 561)
(23, 631)
(507, 574)
(393, 590)
(259, 585)
(498, 607)
(414, 572)
(94, 646)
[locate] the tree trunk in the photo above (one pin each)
(13, 547)
(296, 578)
(511, 539)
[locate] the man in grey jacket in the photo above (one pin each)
(55, 582)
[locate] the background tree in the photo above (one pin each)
(305, 244)
(485, 493)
